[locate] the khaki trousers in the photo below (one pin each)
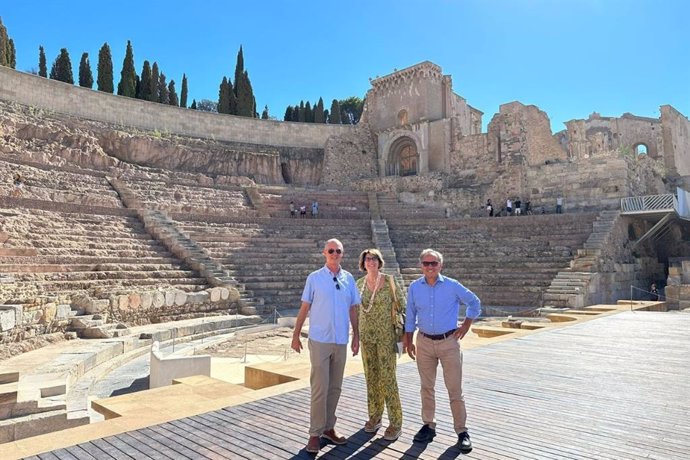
(327, 369)
(447, 351)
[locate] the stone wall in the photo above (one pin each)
(85, 103)
(349, 158)
(676, 141)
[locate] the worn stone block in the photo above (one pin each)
(8, 319)
(169, 298)
(215, 294)
(146, 300)
(134, 300)
(123, 302)
(63, 311)
(198, 297)
(97, 306)
(180, 298)
(158, 300)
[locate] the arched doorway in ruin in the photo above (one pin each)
(641, 149)
(403, 158)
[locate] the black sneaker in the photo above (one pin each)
(464, 442)
(425, 434)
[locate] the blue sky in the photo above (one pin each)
(568, 57)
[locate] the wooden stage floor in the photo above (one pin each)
(616, 387)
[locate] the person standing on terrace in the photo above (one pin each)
(381, 319)
(433, 304)
(330, 299)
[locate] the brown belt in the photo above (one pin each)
(445, 335)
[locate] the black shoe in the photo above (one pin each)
(464, 442)
(425, 434)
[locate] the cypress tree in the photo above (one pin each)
(85, 75)
(42, 67)
(172, 94)
(4, 46)
(308, 113)
(145, 87)
(12, 51)
(233, 99)
(264, 114)
(295, 113)
(105, 70)
(288, 114)
(193, 106)
(335, 113)
(246, 105)
(137, 87)
(162, 90)
(302, 115)
(239, 68)
(183, 91)
(318, 112)
(62, 68)
(127, 85)
(155, 76)
(224, 96)
(326, 116)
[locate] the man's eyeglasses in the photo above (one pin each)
(337, 251)
(430, 263)
(337, 286)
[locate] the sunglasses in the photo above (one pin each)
(430, 263)
(371, 259)
(337, 251)
(337, 286)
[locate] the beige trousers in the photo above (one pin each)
(327, 369)
(447, 351)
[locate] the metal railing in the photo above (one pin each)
(649, 204)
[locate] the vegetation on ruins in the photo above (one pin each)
(319, 116)
(8, 55)
(145, 82)
(335, 118)
(346, 111)
(127, 85)
(163, 96)
(172, 94)
(193, 106)
(62, 68)
(207, 105)
(264, 114)
(237, 99)
(104, 80)
(42, 65)
(155, 76)
(85, 75)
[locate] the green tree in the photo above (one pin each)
(264, 114)
(207, 105)
(288, 114)
(308, 113)
(335, 113)
(163, 96)
(246, 103)
(5, 52)
(224, 96)
(85, 75)
(319, 116)
(172, 94)
(104, 81)
(351, 109)
(301, 116)
(155, 77)
(296, 110)
(62, 68)
(127, 85)
(42, 66)
(145, 86)
(12, 53)
(326, 116)
(193, 106)
(183, 91)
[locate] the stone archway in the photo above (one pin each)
(403, 158)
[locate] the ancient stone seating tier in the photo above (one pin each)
(176, 198)
(391, 208)
(332, 204)
(507, 262)
(48, 183)
(61, 253)
(271, 258)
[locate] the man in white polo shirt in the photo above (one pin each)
(330, 298)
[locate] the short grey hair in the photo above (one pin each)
(431, 252)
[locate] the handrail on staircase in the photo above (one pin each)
(649, 204)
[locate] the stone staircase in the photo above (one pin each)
(272, 257)
(570, 287)
(332, 204)
(382, 241)
(508, 262)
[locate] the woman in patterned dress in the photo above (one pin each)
(378, 338)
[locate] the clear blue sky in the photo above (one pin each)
(568, 57)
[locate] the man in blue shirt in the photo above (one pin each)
(433, 304)
(330, 298)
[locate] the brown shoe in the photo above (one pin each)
(334, 437)
(392, 433)
(372, 426)
(314, 445)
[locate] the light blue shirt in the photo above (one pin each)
(329, 315)
(434, 309)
